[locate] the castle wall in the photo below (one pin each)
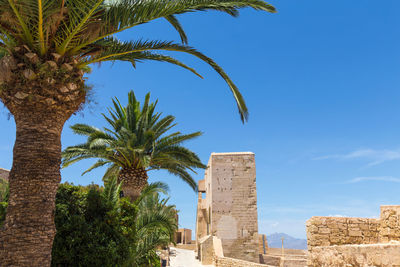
(378, 255)
(389, 224)
(329, 231)
(229, 208)
(234, 204)
(355, 241)
(229, 262)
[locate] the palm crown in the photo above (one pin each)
(82, 30)
(136, 140)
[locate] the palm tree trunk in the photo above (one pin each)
(41, 101)
(27, 236)
(133, 181)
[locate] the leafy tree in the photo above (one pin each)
(97, 228)
(89, 232)
(136, 142)
(45, 48)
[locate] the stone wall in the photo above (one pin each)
(377, 255)
(205, 250)
(229, 262)
(209, 247)
(183, 236)
(389, 224)
(329, 231)
(355, 242)
(228, 209)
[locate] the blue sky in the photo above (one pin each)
(321, 80)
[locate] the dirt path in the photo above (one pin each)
(185, 258)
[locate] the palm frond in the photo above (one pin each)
(128, 48)
(98, 164)
(178, 27)
(80, 13)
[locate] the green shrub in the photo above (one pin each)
(97, 228)
(90, 231)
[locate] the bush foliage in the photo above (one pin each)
(90, 232)
(97, 228)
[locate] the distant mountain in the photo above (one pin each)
(275, 241)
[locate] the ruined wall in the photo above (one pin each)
(329, 231)
(389, 224)
(209, 247)
(229, 262)
(205, 251)
(355, 241)
(378, 255)
(229, 208)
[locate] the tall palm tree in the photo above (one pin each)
(45, 48)
(136, 142)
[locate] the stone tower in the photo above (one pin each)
(227, 204)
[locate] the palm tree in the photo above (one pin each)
(151, 227)
(155, 225)
(46, 46)
(135, 143)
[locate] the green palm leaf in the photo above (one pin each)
(137, 138)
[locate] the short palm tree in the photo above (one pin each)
(156, 225)
(45, 48)
(136, 142)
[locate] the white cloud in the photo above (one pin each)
(374, 157)
(376, 178)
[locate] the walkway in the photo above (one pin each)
(184, 258)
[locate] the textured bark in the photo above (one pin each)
(133, 182)
(29, 228)
(41, 100)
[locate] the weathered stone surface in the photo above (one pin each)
(230, 262)
(327, 231)
(353, 241)
(378, 255)
(229, 209)
(390, 223)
